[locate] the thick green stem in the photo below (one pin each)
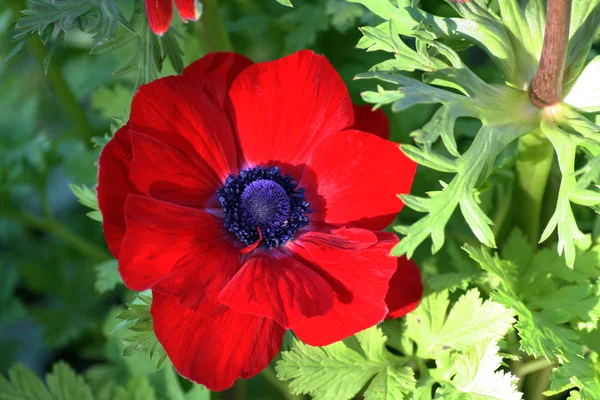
(58, 84)
(537, 383)
(86, 248)
(533, 168)
(532, 366)
(212, 29)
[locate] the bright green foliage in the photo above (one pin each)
(62, 384)
(137, 389)
(541, 313)
(511, 33)
(339, 371)
(572, 189)
(107, 276)
(577, 373)
(553, 305)
(476, 376)
(88, 198)
(436, 331)
(141, 337)
(463, 345)
(113, 103)
(51, 19)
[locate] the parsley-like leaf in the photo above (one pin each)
(62, 384)
(339, 371)
(437, 331)
(477, 376)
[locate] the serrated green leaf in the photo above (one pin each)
(63, 384)
(504, 270)
(569, 235)
(477, 376)
(88, 198)
(138, 388)
(343, 15)
(140, 335)
(541, 332)
(338, 372)
(517, 250)
(107, 276)
(172, 50)
(580, 373)
(469, 320)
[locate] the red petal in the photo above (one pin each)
(217, 70)
(215, 351)
(278, 287)
(178, 111)
(162, 238)
(187, 9)
(160, 13)
(405, 289)
(333, 246)
(283, 108)
(365, 275)
(356, 180)
(367, 120)
(160, 171)
(113, 187)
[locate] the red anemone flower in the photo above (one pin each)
(160, 13)
(250, 198)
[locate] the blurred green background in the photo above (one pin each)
(58, 300)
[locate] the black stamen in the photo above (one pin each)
(263, 198)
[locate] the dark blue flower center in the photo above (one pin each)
(262, 204)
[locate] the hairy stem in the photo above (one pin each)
(58, 85)
(212, 29)
(533, 168)
(546, 87)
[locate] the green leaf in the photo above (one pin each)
(172, 50)
(63, 384)
(138, 388)
(477, 376)
(437, 331)
(109, 18)
(112, 102)
(286, 3)
(343, 15)
(88, 198)
(580, 373)
(542, 332)
(107, 276)
(305, 23)
(563, 219)
(141, 337)
(147, 60)
(525, 28)
(340, 370)
(585, 23)
(51, 19)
